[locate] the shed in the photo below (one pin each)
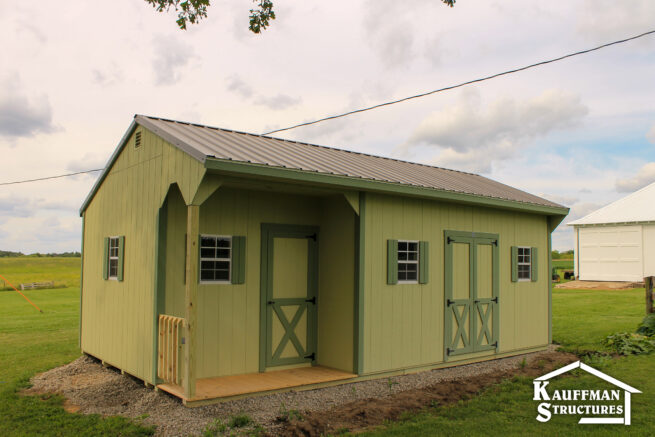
(218, 264)
(617, 241)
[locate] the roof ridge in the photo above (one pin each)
(309, 144)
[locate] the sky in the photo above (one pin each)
(580, 132)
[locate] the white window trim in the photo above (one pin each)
(529, 278)
(418, 255)
(117, 258)
(229, 260)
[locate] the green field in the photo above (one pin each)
(64, 271)
(32, 342)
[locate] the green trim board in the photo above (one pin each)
(265, 171)
(105, 259)
(550, 288)
(81, 283)
(470, 313)
(159, 296)
(271, 306)
(121, 258)
(360, 283)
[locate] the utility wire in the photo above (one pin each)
(51, 177)
(482, 79)
(393, 102)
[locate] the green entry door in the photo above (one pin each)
(289, 286)
(471, 292)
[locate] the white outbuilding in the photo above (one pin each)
(617, 241)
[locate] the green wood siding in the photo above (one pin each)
(117, 315)
(404, 323)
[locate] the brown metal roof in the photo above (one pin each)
(204, 142)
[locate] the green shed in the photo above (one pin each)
(220, 264)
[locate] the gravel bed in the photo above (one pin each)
(92, 389)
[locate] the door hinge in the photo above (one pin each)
(312, 356)
(312, 300)
(270, 302)
(449, 302)
(495, 299)
(449, 351)
(449, 240)
(495, 243)
(313, 236)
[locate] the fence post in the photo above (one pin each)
(648, 282)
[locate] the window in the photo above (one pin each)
(524, 263)
(113, 258)
(215, 258)
(408, 261)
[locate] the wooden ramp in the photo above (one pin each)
(210, 390)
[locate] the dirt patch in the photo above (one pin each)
(598, 285)
(365, 413)
(90, 388)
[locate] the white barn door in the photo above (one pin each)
(610, 253)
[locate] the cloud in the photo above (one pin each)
(472, 137)
(22, 115)
(278, 102)
(89, 161)
(562, 200)
(651, 134)
(239, 87)
(15, 207)
(644, 176)
(606, 19)
(107, 76)
(171, 56)
(391, 40)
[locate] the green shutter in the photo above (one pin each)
(534, 265)
(392, 262)
(238, 273)
(424, 262)
(121, 252)
(515, 260)
(105, 260)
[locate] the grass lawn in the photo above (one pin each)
(581, 320)
(64, 271)
(31, 342)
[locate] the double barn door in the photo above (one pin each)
(471, 292)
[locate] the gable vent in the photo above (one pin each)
(137, 140)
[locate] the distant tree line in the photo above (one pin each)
(9, 254)
(559, 255)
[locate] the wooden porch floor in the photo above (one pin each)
(225, 387)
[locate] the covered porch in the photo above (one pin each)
(284, 318)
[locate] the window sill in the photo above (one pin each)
(214, 282)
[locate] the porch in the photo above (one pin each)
(210, 390)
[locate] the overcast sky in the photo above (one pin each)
(580, 132)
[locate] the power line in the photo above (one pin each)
(482, 79)
(50, 177)
(393, 102)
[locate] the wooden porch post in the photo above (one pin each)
(191, 299)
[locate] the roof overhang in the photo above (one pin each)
(260, 171)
